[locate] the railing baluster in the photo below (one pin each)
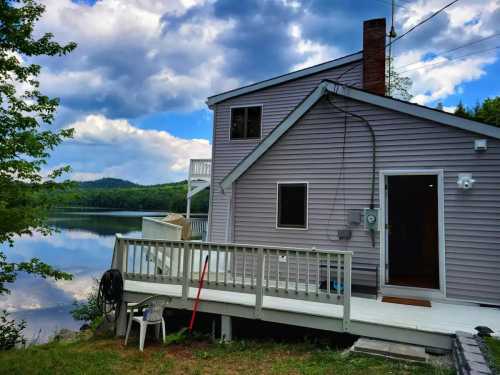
(244, 266)
(317, 273)
(156, 261)
(180, 256)
(209, 261)
(287, 270)
(226, 255)
(278, 269)
(268, 268)
(339, 270)
(328, 274)
(307, 273)
(141, 260)
(233, 261)
(217, 266)
(201, 262)
(164, 248)
(252, 275)
(134, 260)
(171, 261)
(192, 263)
(148, 255)
(297, 277)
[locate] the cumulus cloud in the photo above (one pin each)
(103, 147)
(140, 57)
(437, 76)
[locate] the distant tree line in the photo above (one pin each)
(487, 112)
(167, 197)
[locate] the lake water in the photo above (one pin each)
(83, 246)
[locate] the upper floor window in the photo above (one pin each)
(246, 122)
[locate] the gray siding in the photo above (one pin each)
(311, 151)
(277, 102)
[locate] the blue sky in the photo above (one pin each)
(135, 88)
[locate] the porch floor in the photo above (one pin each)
(441, 318)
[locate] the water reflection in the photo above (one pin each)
(83, 246)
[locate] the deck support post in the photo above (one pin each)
(185, 271)
(347, 292)
(226, 328)
(259, 292)
(121, 320)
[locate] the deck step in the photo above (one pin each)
(390, 349)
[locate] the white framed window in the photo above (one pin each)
(292, 205)
(246, 122)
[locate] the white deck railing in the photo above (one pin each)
(199, 169)
(199, 227)
(304, 274)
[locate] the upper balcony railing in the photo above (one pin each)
(199, 169)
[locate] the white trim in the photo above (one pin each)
(381, 101)
(278, 183)
(229, 214)
(415, 110)
(274, 136)
(237, 140)
(284, 78)
(410, 291)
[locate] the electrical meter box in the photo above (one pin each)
(371, 219)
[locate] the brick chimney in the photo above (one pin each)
(374, 33)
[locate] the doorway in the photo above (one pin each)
(412, 231)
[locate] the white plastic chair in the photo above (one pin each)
(155, 305)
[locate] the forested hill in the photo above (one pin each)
(106, 183)
(121, 194)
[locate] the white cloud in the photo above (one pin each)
(123, 150)
(129, 61)
(442, 76)
(435, 82)
(313, 52)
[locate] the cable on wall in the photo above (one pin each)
(374, 152)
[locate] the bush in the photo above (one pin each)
(88, 311)
(10, 332)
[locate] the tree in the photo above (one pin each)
(397, 86)
(487, 112)
(462, 111)
(25, 136)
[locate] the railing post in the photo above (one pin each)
(259, 291)
(347, 291)
(185, 271)
(119, 263)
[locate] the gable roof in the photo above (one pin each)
(214, 99)
(362, 96)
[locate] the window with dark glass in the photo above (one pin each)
(292, 205)
(246, 122)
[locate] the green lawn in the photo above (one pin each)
(494, 349)
(108, 356)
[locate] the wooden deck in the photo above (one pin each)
(293, 299)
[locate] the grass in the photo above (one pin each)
(494, 352)
(200, 356)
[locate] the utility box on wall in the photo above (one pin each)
(371, 218)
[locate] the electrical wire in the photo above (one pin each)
(374, 154)
(442, 53)
(424, 21)
(450, 59)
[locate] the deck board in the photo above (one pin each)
(444, 318)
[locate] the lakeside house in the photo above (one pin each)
(321, 186)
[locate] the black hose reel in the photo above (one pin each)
(110, 295)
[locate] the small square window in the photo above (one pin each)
(292, 205)
(246, 122)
